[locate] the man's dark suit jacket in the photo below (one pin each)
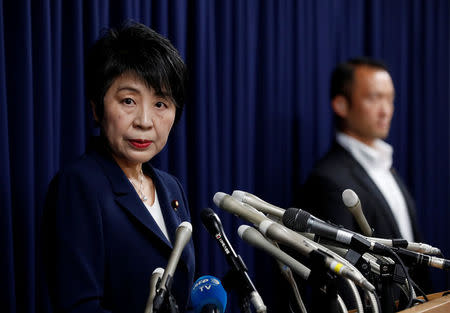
(338, 170)
(102, 244)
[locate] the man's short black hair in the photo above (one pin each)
(343, 75)
(342, 80)
(135, 48)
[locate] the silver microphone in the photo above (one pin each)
(182, 237)
(257, 203)
(156, 275)
(284, 260)
(351, 201)
(403, 243)
(255, 238)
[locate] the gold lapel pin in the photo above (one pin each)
(175, 204)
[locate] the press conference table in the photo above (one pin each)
(436, 304)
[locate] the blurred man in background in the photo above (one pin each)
(362, 98)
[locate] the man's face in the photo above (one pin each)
(370, 110)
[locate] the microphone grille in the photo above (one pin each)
(349, 198)
(186, 224)
(211, 221)
(158, 270)
(205, 214)
(242, 229)
(239, 195)
(296, 219)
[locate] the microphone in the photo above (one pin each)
(208, 295)
(156, 275)
(283, 235)
(214, 226)
(285, 261)
(374, 261)
(255, 238)
(182, 237)
(290, 238)
(353, 204)
(403, 243)
(423, 259)
(302, 221)
(257, 203)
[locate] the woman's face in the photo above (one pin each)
(136, 121)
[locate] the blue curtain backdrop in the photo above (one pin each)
(257, 118)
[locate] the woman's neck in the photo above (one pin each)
(131, 170)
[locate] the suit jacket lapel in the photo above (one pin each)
(127, 197)
(373, 190)
(360, 174)
(134, 205)
(171, 217)
(410, 205)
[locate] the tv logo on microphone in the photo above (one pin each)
(206, 283)
(222, 243)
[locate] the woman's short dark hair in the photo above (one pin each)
(135, 48)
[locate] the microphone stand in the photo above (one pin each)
(384, 280)
(168, 304)
(364, 267)
(390, 274)
(326, 283)
(231, 281)
(164, 301)
(354, 258)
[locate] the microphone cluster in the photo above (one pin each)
(359, 259)
(373, 264)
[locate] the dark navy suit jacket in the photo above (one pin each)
(102, 244)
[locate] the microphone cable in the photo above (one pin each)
(341, 304)
(374, 300)
(411, 296)
(420, 290)
(287, 273)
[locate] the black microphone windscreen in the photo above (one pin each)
(211, 221)
(296, 219)
(205, 214)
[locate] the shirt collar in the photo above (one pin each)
(379, 156)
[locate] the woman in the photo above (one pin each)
(111, 217)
